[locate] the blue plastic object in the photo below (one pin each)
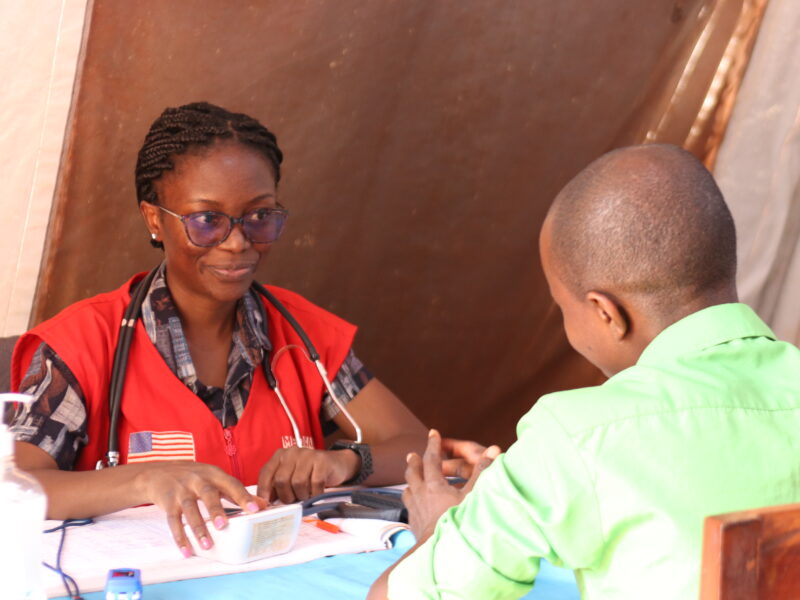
(123, 584)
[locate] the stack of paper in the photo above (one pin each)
(138, 538)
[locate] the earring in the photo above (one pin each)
(153, 236)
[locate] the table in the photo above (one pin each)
(336, 577)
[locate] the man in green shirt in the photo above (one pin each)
(700, 415)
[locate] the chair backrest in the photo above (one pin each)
(752, 555)
(6, 348)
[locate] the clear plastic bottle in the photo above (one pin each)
(22, 506)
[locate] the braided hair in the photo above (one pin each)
(180, 129)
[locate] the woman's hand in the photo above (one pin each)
(177, 486)
(174, 486)
(459, 457)
(298, 473)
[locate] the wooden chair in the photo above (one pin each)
(752, 555)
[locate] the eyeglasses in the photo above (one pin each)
(210, 228)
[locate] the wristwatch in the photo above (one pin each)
(366, 459)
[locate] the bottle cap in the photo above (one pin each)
(6, 439)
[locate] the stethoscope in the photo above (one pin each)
(120, 365)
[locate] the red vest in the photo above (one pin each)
(161, 418)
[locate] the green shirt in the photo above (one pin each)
(614, 481)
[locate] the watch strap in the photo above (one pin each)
(363, 450)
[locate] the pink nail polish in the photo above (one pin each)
(252, 507)
(186, 552)
(205, 543)
(219, 522)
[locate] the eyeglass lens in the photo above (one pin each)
(209, 228)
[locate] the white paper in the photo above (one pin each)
(138, 538)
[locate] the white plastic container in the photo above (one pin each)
(23, 506)
(252, 536)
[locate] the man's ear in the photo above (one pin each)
(610, 312)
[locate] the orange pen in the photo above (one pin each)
(324, 525)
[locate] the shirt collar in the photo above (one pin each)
(251, 328)
(250, 336)
(705, 328)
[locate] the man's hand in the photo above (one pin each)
(298, 473)
(460, 456)
(429, 494)
(177, 486)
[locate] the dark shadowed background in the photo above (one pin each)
(424, 141)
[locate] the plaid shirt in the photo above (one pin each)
(56, 421)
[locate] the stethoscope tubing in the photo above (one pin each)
(120, 365)
(312, 355)
(122, 351)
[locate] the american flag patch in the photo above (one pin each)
(148, 446)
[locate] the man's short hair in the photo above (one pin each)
(647, 220)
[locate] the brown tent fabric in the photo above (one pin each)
(424, 142)
(6, 349)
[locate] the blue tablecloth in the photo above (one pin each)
(333, 578)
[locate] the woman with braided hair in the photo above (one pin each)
(200, 417)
